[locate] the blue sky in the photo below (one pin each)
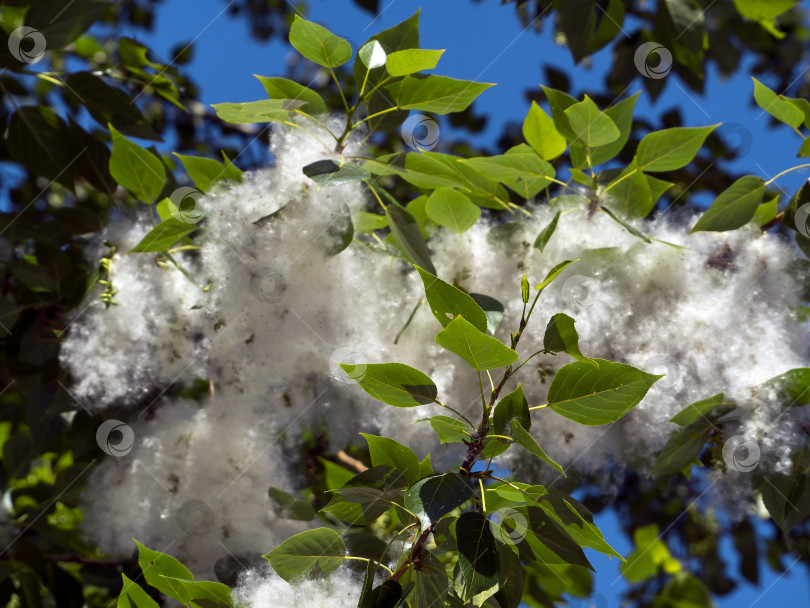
(485, 42)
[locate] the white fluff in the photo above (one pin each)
(279, 311)
(260, 590)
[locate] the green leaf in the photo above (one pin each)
(553, 274)
(622, 116)
(40, 140)
(62, 23)
(157, 566)
(438, 94)
(450, 430)
(596, 396)
(410, 61)
(372, 54)
(671, 149)
(523, 437)
(425, 467)
(545, 234)
(492, 308)
(408, 237)
(629, 227)
(519, 168)
(541, 134)
(264, 110)
(404, 35)
(396, 384)
(367, 495)
(586, 29)
(133, 596)
(136, 169)
(205, 172)
(209, 594)
(282, 88)
(387, 595)
(434, 170)
(562, 337)
(318, 44)
(700, 409)
(792, 388)
(544, 539)
(288, 507)
(576, 519)
(591, 126)
(683, 447)
(320, 550)
(327, 173)
(479, 350)
(631, 195)
(432, 582)
(384, 450)
(447, 302)
(686, 591)
(581, 177)
(478, 558)
(650, 555)
(335, 475)
(107, 104)
(432, 498)
(164, 235)
(787, 497)
(451, 209)
(734, 207)
(558, 102)
(766, 212)
(803, 105)
(511, 407)
(758, 10)
(781, 109)
(510, 583)
(804, 149)
(365, 222)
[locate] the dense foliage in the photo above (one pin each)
(99, 218)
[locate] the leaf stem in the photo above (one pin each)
(786, 171)
(538, 407)
(455, 411)
(415, 551)
(381, 112)
(410, 318)
(377, 196)
(315, 120)
(481, 388)
(529, 358)
(340, 90)
(367, 560)
(621, 179)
